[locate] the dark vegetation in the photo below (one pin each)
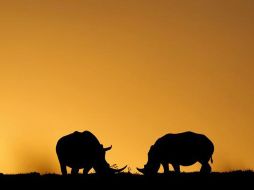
(215, 180)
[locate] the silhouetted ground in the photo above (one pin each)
(227, 180)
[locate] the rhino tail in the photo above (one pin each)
(211, 159)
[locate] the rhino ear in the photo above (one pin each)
(107, 148)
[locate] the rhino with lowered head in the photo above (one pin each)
(183, 149)
(82, 150)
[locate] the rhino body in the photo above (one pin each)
(82, 150)
(179, 149)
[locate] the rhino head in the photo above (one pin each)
(152, 166)
(101, 166)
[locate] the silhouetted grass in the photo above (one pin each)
(215, 180)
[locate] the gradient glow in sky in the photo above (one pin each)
(128, 71)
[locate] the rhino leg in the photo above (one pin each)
(74, 171)
(205, 168)
(165, 167)
(63, 168)
(176, 168)
(86, 170)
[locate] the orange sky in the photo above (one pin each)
(128, 71)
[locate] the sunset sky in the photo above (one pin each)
(129, 71)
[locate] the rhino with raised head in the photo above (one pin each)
(82, 150)
(183, 149)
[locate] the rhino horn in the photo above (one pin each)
(107, 148)
(141, 170)
(118, 170)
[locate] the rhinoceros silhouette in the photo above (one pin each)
(183, 149)
(82, 150)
